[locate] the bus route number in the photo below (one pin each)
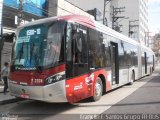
(33, 32)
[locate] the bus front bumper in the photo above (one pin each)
(55, 92)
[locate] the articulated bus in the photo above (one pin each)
(70, 58)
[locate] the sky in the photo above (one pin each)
(154, 16)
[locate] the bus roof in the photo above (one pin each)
(86, 21)
(73, 18)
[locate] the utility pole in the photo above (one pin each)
(104, 12)
(116, 17)
(20, 12)
(131, 26)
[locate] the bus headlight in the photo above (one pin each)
(53, 79)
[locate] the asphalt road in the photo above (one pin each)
(143, 97)
(145, 100)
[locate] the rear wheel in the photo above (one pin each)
(98, 90)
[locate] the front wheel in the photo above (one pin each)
(98, 89)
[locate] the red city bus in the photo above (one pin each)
(70, 58)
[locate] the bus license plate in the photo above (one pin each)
(24, 96)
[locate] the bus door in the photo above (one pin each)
(145, 59)
(114, 63)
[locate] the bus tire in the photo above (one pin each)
(98, 90)
(132, 78)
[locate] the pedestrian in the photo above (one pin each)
(4, 74)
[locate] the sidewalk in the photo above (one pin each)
(6, 99)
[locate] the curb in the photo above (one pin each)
(13, 100)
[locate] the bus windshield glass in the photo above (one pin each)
(39, 46)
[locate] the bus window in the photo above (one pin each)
(80, 56)
(76, 51)
(54, 54)
(96, 49)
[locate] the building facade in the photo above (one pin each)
(9, 12)
(88, 5)
(32, 9)
(63, 7)
(156, 45)
(132, 21)
(1, 8)
(136, 24)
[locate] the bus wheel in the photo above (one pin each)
(98, 89)
(132, 79)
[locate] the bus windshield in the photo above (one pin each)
(39, 46)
